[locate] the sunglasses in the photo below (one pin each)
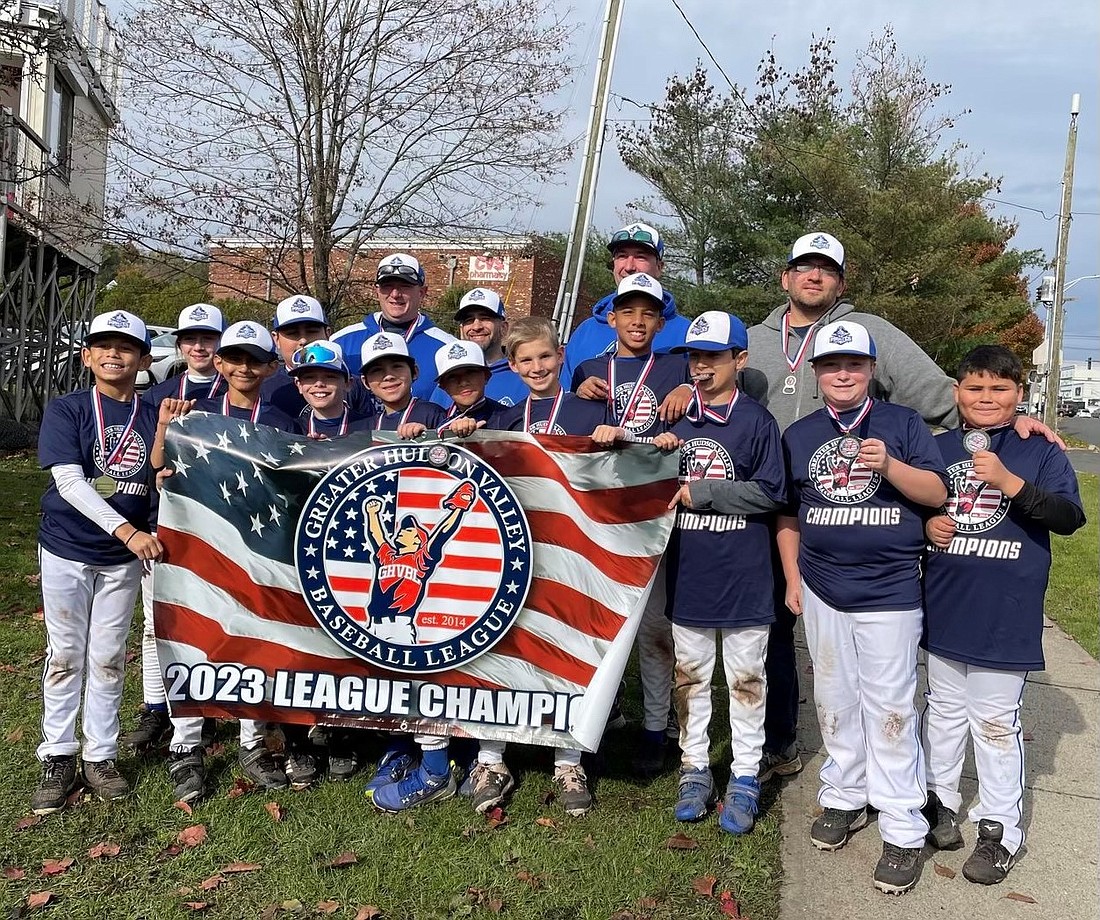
(636, 235)
(402, 272)
(315, 353)
(804, 268)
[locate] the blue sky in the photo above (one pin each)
(1015, 65)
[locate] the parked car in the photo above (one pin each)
(167, 359)
(1021, 408)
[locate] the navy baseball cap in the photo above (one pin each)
(715, 331)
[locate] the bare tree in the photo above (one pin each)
(311, 125)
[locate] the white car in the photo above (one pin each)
(167, 359)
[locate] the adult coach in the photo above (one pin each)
(401, 287)
(634, 248)
(779, 376)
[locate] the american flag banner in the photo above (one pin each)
(488, 587)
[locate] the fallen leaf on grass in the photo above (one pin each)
(945, 871)
(273, 809)
(209, 884)
(589, 842)
(75, 797)
(241, 867)
(192, 836)
(292, 906)
(57, 866)
(16, 734)
(496, 817)
(39, 615)
(647, 903)
(367, 912)
(196, 906)
(241, 786)
(169, 852)
(215, 750)
(185, 807)
(729, 906)
(704, 885)
(28, 822)
(545, 822)
(326, 907)
(39, 899)
(547, 797)
(681, 841)
(104, 850)
(535, 881)
(1022, 898)
(33, 579)
(130, 656)
(341, 861)
(186, 890)
(13, 874)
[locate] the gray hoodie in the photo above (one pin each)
(903, 373)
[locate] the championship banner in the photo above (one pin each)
(488, 587)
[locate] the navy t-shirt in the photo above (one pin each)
(68, 436)
(280, 391)
(330, 427)
(575, 416)
(504, 385)
(488, 411)
(424, 411)
(983, 595)
(269, 415)
(861, 538)
(720, 565)
(644, 399)
(182, 387)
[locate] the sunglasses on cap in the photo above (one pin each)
(315, 353)
(804, 268)
(637, 235)
(403, 272)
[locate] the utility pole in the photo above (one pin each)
(1057, 313)
(573, 269)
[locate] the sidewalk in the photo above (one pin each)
(1061, 716)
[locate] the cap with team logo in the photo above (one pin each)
(383, 345)
(400, 267)
(715, 331)
(818, 244)
(458, 354)
(482, 299)
(639, 283)
(642, 234)
(320, 355)
(249, 337)
(200, 317)
(298, 308)
(119, 322)
(843, 338)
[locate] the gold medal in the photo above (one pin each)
(105, 486)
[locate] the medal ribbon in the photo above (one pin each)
(795, 362)
(860, 416)
(404, 415)
(555, 408)
(343, 424)
(210, 394)
(408, 333)
(635, 394)
(703, 411)
(454, 415)
(111, 459)
(255, 409)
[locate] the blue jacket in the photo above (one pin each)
(427, 338)
(504, 386)
(595, 337)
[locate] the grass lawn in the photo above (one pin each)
(1072, 597)
(440, 862)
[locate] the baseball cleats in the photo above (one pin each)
(102, 778)
(652, 748)
(487, 785)
(260, 767)
(990, 862)
(187, 771)
(57, 781)
(740, 806)
(943, 824)
(153, 728)
(898, 869)
(831, 830)
(419, 787)
(786, 762)
(301, 768)
(392, 768)
(696, 794)
(344, 759)
(571, 789)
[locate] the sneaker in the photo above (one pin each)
(153, 728)
(696, 794)
(102, 778)
(831, 830)
(571, 790)
(943, 824)
(58, 780)
(616, 719)
(260, 767)
(990, 862)
(301, 768)
(786, 762)
(652, 747)
(392, 768)
(672, 726)
(187, 771)
(487, 785)
(898, 869)
(419, 787)
(344, 759)
(740, 806)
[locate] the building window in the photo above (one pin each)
(61, 126)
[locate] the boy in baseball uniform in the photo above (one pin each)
(862, 475)
(984, 583)
(93, 540)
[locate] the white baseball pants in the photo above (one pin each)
(187, 733)
(743, 653)
(87, 610)
(152, 684)
(985, 702)
(865, 681)
(656, 656)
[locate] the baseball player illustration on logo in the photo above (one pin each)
(702, 458)
(974, 505)
(405, 563)
(839, 478)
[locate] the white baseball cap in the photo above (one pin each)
(639, 283)
(641, 234)
(400, 267)
(320, 355)
(383, 345)
(200, 317)
(483, 299)
(843, 338)
(249, 337)
(818, 244)
(715, 330)
(456, 355)
(119, 322)
(298, 308)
